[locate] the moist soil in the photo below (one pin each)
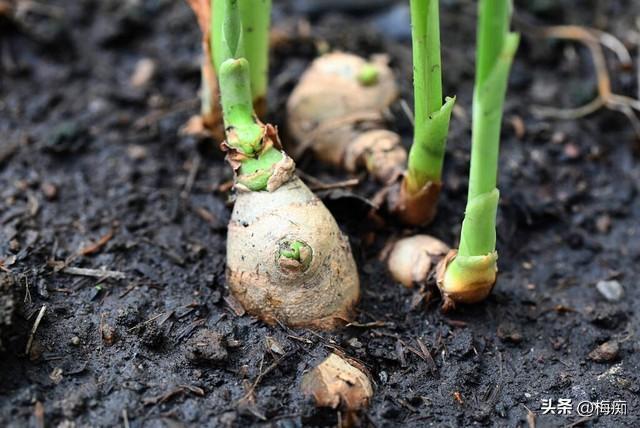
(94, 174)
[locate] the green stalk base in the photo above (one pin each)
(468, 279)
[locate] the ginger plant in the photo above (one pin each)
(287, 260)
(469, 274)
(416, 201)
(336, 110)
(255, 15)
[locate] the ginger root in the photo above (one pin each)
(287, 259)
(411, 259)
(336, 110)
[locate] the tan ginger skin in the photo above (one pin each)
(338, 383)
(341, 119)
(412, 259)
(320, 293)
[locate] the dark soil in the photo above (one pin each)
(86, 158)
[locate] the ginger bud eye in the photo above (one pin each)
(294, 255)
(368, 75)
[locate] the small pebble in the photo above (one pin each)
(603, 223)
(75, 341)
(355, 343)
(56, 375)
(136, 151)
(274, 346)
(108, 334)
(49, 190)
(143, 73)
(558, 137)
(606, 352)
(571, 151)
(610, 290)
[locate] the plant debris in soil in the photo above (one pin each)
(115, 223)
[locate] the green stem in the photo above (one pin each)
(493, 27)
(431, 117)
(495, 49)
(425, 36)
(237, 106)
(244, 133)
(255, 19)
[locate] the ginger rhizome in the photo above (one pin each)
(337, 112)
(287, 260)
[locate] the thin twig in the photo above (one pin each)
(315, 184)
(97, 246)
(262, 374)
(125, 418)
(153, 318)
(95, 273)
(191, 178)
(594, 40)
(336, 185)
(407, 111)
(35, 328)
(568, 113)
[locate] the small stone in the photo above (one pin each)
(136, 151)
(603, 223)
(49, 190)
(274, 346)
(108, 334)
(233, 343)
(56, 375)
(75, 341)
(606, 352)
(558, 137)
(571, 151)
(508, 332)
(207, 346)
(610, 290)
(355, 343)
(143, 73)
